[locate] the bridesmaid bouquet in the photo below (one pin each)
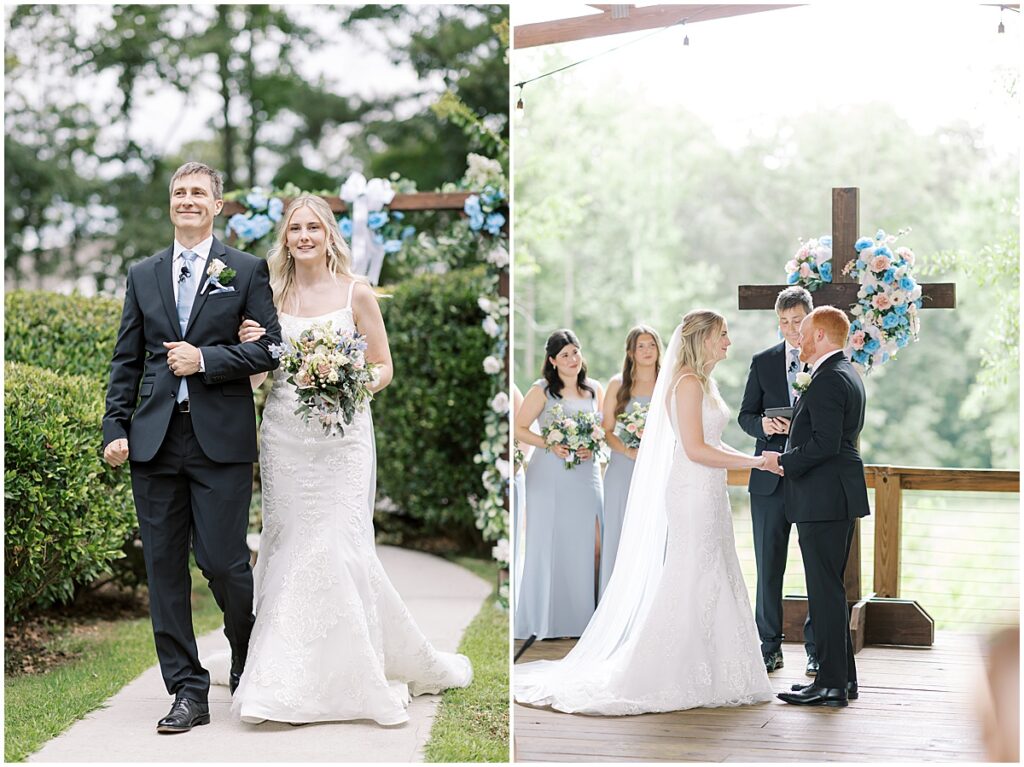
(630, 426)
(330, 373)
(579, 431)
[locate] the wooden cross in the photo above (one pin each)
(842, 293)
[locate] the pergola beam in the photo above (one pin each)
(635, 20)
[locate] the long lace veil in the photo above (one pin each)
(611, 634)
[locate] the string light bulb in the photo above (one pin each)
(686, 38)
(520, 107)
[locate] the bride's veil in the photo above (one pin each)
(638, 565)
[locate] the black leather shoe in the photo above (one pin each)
(812, 695)
(851, 689)
(184, 715)
(773, 661)
(812, 665)
(237, 667)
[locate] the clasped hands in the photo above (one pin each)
(182, 358)
(771, 463)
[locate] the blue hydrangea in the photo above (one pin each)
(377, 219)
(855, 326)
(274, 209)
(494, 223)
(907, 283)
(345, 226)
(472, 206)
(904, 321)
(890, 321)
(397, 215)
(392, 246)
(239, 224)
(825, 270)
(261, 226)
(862, 357)
(408, 232)
(476, 221)
(862, 244)
(256, 199)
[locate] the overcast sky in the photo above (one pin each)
(937, 61)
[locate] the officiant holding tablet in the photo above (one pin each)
(765, 415)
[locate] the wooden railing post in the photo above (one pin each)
(888, 526)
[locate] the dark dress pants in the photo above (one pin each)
(825, 547)
(183, 498)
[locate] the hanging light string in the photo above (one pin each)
(523, 83)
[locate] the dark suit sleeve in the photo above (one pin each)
(125, 369)
(226, 363)
(826, 408)
(752, 406)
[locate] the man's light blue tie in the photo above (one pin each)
(791, 371)
(186, 295)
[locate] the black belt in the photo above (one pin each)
(183, 406)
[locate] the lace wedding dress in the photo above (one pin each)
(691, 642)
(332, 640)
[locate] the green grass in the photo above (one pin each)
(39, 707)
(472, 724)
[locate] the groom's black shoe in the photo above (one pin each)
(812, 666)
(237, 667)
(851, 689)
(184, 715)
(812, 695)
(773, 661)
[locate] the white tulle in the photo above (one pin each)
(674, 628)
(333, 639)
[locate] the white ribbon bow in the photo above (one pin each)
(365, 197)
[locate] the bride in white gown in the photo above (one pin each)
(332, 639)
(674, 629)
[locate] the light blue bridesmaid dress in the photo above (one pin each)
(616, 489)
(556, 590)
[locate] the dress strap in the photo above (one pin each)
(676, 384)
(351, 290)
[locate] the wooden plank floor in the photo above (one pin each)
(916, 704)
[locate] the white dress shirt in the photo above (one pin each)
(202, 251)
(823, 358)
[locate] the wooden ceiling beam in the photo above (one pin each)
(647, 17)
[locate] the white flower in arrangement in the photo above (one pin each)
(856, 311)
(492, 365)
(555, 436)
(501, 551)
(822, 254)
(215, 268)
(485, 304)
(802, 381)
(498, 256)
(502, 465)
(862, 293)
(500, 403)
(482, 171)
(491, 327)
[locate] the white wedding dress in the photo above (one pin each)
(332, 640)
(689, 640)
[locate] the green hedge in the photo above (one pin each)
(66, 513)
(70, 334)
(429, 421)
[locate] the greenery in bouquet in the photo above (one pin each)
(579, 431)
(629, 426)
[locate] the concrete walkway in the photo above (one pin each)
(442, 597)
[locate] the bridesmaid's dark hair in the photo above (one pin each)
(625, 392)
(555, 343)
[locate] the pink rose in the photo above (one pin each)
(881, 301)
(805, 270)
(323, 369)
(857, 340)
(631, 428)
(880, 263)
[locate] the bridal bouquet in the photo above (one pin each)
(330, 373)
(630, 424)
(579, 431)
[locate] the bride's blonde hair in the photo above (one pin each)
(697, 326)
(282, 265)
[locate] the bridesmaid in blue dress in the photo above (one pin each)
(634, 385)
(518, 496)
(556, 593)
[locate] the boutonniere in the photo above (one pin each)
(802, 383)
(219, 274)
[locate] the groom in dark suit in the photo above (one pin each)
(825, 494)
(770, 384)
(180, 409)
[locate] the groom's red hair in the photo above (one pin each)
(833, 321)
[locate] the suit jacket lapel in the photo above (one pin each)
(165, 286)
(217, 250)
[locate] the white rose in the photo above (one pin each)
(492, 365)
(215, 268)
(498, 257)
(485, 305)
(501, 551)
(500, 403)
(502, 466)
(803, 379)
(491, 327)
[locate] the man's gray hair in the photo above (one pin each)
(216, 182)
(793, 297)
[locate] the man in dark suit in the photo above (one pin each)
(770, 384)
(180, 409)
(825, 495)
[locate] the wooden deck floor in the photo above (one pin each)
(915, 705)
